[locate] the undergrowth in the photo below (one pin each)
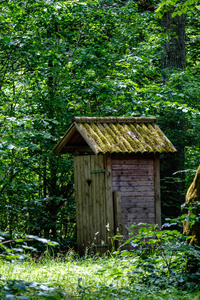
(81, 278)
(158, 267)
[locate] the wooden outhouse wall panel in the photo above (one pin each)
(134, 179)
(90, 196)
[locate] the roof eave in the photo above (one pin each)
(74, 128)
(87, 139)
(58, 148)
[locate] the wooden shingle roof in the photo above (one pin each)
(114, 135)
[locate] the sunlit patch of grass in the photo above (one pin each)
(66, 275)
(80, 278)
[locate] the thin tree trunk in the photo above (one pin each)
(173, 55)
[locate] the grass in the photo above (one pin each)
(75, 278)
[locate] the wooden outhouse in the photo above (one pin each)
(116, 174)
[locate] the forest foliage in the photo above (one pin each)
(60, 59)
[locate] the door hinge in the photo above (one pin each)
(97, 171)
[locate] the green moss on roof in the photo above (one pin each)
(145, 146)
(149, 137)
(135, 138)
(125, 137)
(112, 138)
(105, 144)
(116, 132)
(115, 138)
(128, 138)
(163, 143)
(118, 135)
(109, 138)
(94, 136)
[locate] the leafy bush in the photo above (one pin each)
(161, 257)
(22, 248)
(19, 289)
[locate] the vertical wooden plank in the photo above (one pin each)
(109, 199)
(157, 190)
(117, 209)
(100, 211)
(91, 202)
(86, 198)
(78, 203)
(94, 209)
(76, 200)
(81, 188)
(100, 192)
(104, 207)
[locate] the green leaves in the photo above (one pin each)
(42, 240)
(161, 256)
(179, 8)
(20, 289)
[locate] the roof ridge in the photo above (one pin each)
(114, 119)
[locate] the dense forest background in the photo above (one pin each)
(60, 59)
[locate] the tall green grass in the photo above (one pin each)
(71, 277)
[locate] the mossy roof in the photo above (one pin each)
(114, 135)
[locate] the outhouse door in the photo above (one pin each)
(91, 202)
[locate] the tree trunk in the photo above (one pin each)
(173, 55)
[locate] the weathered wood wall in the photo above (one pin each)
(114, 191)
(134, 179)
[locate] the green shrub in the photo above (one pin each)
(160, 258)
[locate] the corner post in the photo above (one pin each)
(157, 195)
(109, 197)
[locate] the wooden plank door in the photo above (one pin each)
(91, 205)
